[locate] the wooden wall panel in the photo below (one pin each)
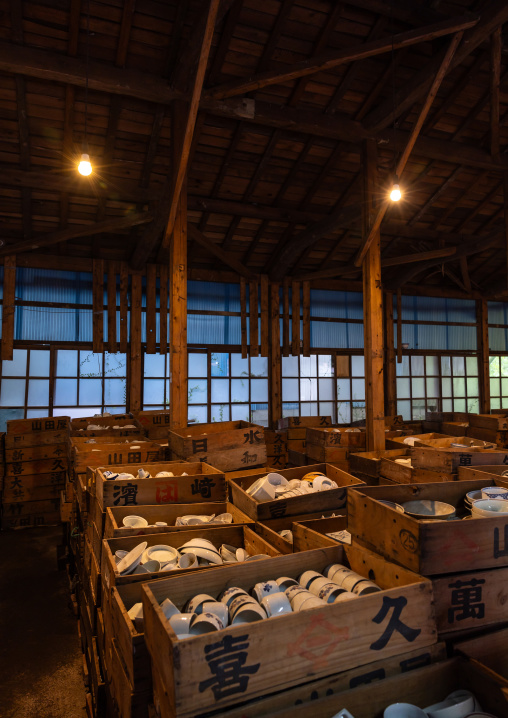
(253, 318)
(482, 329)
(295, 319)
(135, 344)
(163, 310)
(265, 316)
(8, 310)
(151, 308)
(285, 318)
(124, 306)
(306, 318)
(98, 305)
(275, 368)
(390, 372)
(243, 316)
(112, 345)
(178, 314)
(399, 327)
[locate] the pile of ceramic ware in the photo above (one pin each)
(142, 474)
(138, 522)
(97, 427)
(275, 486)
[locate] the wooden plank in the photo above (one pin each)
(390, 371)
(399, 327)
(135, 344)
(275, 369)
(111, 271)
(124, 286)
(243, 319)
(495, 76)
(151, 308)
(253, 319)
(285, 318)
(265, 316)
(163, 309)
(306, 318)
(505, 213)
(295, 319)
(9, 298)
(225, 257)
(178, 316)
(98, 305)
(482, 329)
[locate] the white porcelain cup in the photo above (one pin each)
(308, 577)
(404, 710)
(293, 484)
(229, 594)
(285, 582)
(359, 584)
(187, 560)
(345, 596)
(494, 492)
(228, 552)
(168, 608)
(293, 591)
(265, 588)
(219, 609)
(321, 483)
(300, 599)
(458, 704)
(195, 605)
(262, 490)
(238, 602)
(152, 566)
(329, 592)
(160, 523)
(317, 584)
(204, 623)
(180, 622)
(287, 535)
(276, 604)
(312, 602)
(248, 613)
(331, 569)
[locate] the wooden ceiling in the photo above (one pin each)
(258, 112)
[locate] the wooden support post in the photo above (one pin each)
(178, 314)
(275, 367)
(163, 310)
(253, 319)
(505, 199)
(112, 346)
(306, 319)
(399, 327)
(98, 305)
(124, 306)
(243, 315)
(372, 309)
(135, 377)
(9, 297)
(285, 319)
(151, 308)
(265, 318)
(390, 372)
(295, 319)
(482, 327)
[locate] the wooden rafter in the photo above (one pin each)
(381, 211)
(495, 76)
(224, 257)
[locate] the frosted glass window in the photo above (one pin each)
(116, 364)
(154, 365)
(90, 392)
(239, 366)
(219, 364)
(432, 366)
(447, 405)
(358, 411)
(197, 415)
(433, 387)
(417, 366)
(418, 387)
(12, 392)
(325, 366)
(343, 389)
(90, 364)
(358, 386)
(446, 387)
(308, 366)
(472, 386)
(418, 410)
(459, 366)
(290, 366)
(343, 412)
(258, 390)
(197, 365)
(357, 366)
(308, 389)
(403, 367)
(115, 391)
(503, 366)
(403, 389)
(325, 389)
(495, 386)
(39, 362)
(259, 366)
(473, 406)
(325, 408)
(309, 408)
(239, 412)
(504, 387)
(494, 366)
(220, 390)
(290, 390)
(198, 391)
(38, 392)
(37, 413)
(446, 366)
(220, 412)
(472, 366)
(153, 391)
(459, 405)
(259, 414)
(459, 388)
(66, 392)
(239, 390)
(495, 403)
(67, 362)
(16, 367)
(404, 409)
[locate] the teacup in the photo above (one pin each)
(136, 615)
(187, 560)
(404, 710)
(331, 569)
(493, 492)
(285, 582)
(287, 535)
(262, 490)
(219, 609)
(488, 508)
(142, 474)
(238, 602)
(457, 705)
(205, 623)
(152, 566)
(300, 599)
(241, 555)
(293, 591)
(160, 523)
(265, 588)
(312, 602)
(345, 596)
(322, 483)
(307, 577)
(276, 604)
(168, 608)
(248, 613)
(319, 583)
(329, 592)
(229, 594)
(180, 622)
(164, 474)
(228, 552)
(195, 605)
(359, 584)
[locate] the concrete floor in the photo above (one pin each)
(40, 654)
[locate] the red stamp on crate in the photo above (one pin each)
(166, 492)
(317, 641)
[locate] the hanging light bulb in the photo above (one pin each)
(395, 194)
(85, 166)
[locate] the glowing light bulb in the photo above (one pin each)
(395, 194)
(85, 167)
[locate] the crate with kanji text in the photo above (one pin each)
(337, 438)
(404, 474)
(494, 473)
(367, 464)
(126, 703)
(156, 423)
(30, 513)
(167, 513)
(293, 422)
(108, 427)
(428, 547)
(497, 421)
(241, 536)
(201, 482)
(397, 441)
(454, 428)
(500, 438)
(270, 529)
(449, 460)
(490, 651)
(333, 638)
(20, 488)
(310, 534)
(228, 445)
(29, 454)
(115, 454)
(39, 425)
(308, 503)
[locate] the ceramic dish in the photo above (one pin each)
(211, 555)
(132, 559)
(428, 509)
(161, 553)
(135, 522)
(487, 508)
(392, 505)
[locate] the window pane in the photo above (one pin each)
(258, 390)
(325, 389)
(308, 389)
(290, 390)
(239, 390)
(459, 405)
(308, 366)
(197, 392)
(343, 412)
(239, 412)
(290, 409)
(309, 408)
(154, 365)
(197, 366)
(39, 362)
(472, 386)
(447, 405)
(16, 367)
(115, 391)
(290, 366)
(495, 403)
(37, 413)
(259, 366)
(446, 388)
(459, 367)
(219, 364)
(494, 366)
(116, 409)
(403, 389)
(357, 366)
(220, 412)
(90, 364)
(38, 392)
(9, 414)
(472, 366)
(90, 392)
(116, 364)
(358, 411)
(239, 366)
(12, 392)
(220, 391)
(153, 391)
(66, 392)
(459, 389)
(433, 387)
(446, 366)
(343, 389)
(495, 387)
(417, 366)
(358, 386)
(503, 366)
(325, 365)
(197, 415)
(432, 366)
(404, 409)
(259, 414)
(325, 408)
(504, 387)
(403, 367)
(418, 410)
(418, 387)
(473, 406)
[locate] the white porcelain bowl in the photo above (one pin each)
(134, 522)
(162, 553)
(487, 508)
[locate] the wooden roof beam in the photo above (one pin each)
(381, 211)
(224, 257)
(330, 60)
(495, 81)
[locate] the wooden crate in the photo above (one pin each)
(427, 547)
(326, 454)
(115, 455)
(114, 527)
(34, 439)
(296, 458)
(269, 529)
(126, 703)
(401, 474)
(439, 416)
(297, 433)
(498, 437)
(156, 423)
(336, 438)
(308, 503)
(33, 488)
(311, 533)
(397, 441)
(65, 509)
(490, 652)
(368, 463)
(276, 463)
(35, 453)
(290, 422)
(331, 639)
(38, 426)
(449, 460)
(34, 517)
(232, 444)
(493, 473)
(202, 483)
(494, 422)
(240, 536)
(108, 422)
(246, 472)
(455, 428)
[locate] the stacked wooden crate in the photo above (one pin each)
(334, 445)
(155, 423)
(489, 427)
(36, 471)
(226, 445)
(296, 427)
(276, 448)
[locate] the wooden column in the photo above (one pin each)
(390, 371)
(482, 329)
(9, 298)
(372, 308)
(135, 377)
(178, 315)
(275, 367)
